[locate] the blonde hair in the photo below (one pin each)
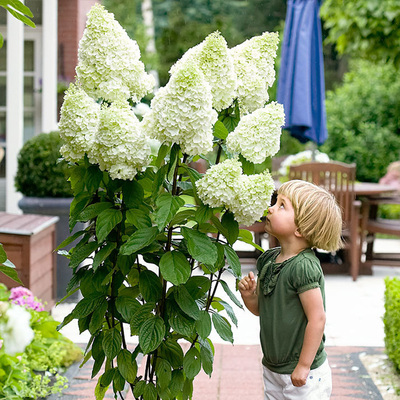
(394, 167)
(317, 214)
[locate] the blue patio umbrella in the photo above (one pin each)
(301, 87)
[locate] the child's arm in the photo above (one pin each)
(248, 291)
(313, 307)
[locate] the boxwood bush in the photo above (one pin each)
(41, 172)
(391, 320)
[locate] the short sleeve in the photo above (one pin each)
(307, 275)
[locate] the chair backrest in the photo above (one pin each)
(336, 177)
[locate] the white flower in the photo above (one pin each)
(181, 112)
(109, 64)
(224, 185)
(78, 124)
(217, 187)
(16, 331)
(141, 109)
(299, 158)
(257, 135)
(254, 66)
(253, 197)
(215, 61)
(120, 147)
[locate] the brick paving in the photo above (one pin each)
(238, 376)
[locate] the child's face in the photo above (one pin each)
(280, 219)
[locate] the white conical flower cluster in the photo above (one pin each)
(215, 61)
(109, 61)
(181, 112)
(247, 196)
(254, 67)
(120, 146)
(258, 134)
(78, 124)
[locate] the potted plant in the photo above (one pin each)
(41, 178)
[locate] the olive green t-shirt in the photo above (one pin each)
(282, 319)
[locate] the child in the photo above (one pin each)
(392, 176)
(290, 296)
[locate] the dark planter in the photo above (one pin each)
(58, 207)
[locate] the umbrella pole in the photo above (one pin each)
(313, 150)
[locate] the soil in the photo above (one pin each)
(383, 374)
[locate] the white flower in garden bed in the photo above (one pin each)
(254, 66)
(120, 146)
(181, 112)
(299, 158)
(215, 61)
(257, 135)
(109, 61)
(247, 196)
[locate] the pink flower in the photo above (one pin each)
(24, 297)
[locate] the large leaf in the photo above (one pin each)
(150, 392)
(233, 261)
(141, 238)
(8, 269)
(127, 306)
(246, 237)
(112, 342)
(203, 325)
(203, 214)
(139, 218)
(186, 302)
(151, 334)
(106, 222)
(132, 193)
(163, 373)
(93, 210)
(232, 227)
(97, 319)
(181, 323)
(172, 351)
(231, 294)
(192, 363)
(200, 246)
(140, 316)
(227, 307)
(198, 286)
(102, 254)
(220, 130)
(175, 268)
(87, 305)
(150, 286)
(80, 254)
(127, 366)
(207, 356)
(3, 255)
(222, 327)
(167, 207)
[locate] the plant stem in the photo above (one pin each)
(219, 153)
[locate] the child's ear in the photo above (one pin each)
(297, 233)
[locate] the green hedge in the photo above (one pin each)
(391, 320)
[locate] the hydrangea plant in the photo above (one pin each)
(159, 235)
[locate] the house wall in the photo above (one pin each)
(71, 24)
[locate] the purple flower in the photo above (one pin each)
(24, 297)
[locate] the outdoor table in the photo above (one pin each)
(29, 241)
(368, 189)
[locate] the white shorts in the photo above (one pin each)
(317, 387)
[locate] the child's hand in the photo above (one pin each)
(299, 375)
(248, 285)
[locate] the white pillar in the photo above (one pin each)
(15, 107)
(49, 66)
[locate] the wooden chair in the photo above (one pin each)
(338, 178)
(371, 225)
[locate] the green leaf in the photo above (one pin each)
(93, 178)
(172, 351)
(151, 334)
(192, 363)
(127, 306)
(107, 377)
(177, 381)
(82, 253)
(233, 261)
(162, 152)
(220, 130)
(3, 254)
(231, 294)
(186, 302)
(150, 392)
(207, 356)
(181, 323)
(167, 207)
(203, 214)
(222, 327)
(97, 320)
(228, 308)
(118, 382)
(139, 389)
(100, 391)
(87, 305)
(150, 286)
(247, 166)
(138, 218)
(106, 222)
(219, 226)
(203, 324)
(102, 254)
(69, 240)
(246, 237)
(127, 366)
(175, 268)
(93, 210)
(112, 343)
(182, 216)
(232, 227)
(200, 246)
(141, 238)
(198, 286)
(159, 180)
(163, 373)
(140, 316)
(8, 269)
(132, 193)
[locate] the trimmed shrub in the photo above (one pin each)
(391, 320)
(41, 172)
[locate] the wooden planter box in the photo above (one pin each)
(29, 241)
